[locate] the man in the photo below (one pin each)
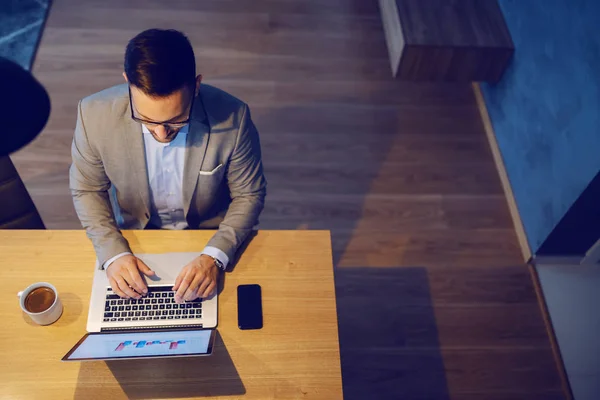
(164, 151)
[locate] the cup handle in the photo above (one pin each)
(20, 294)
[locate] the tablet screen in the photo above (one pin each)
(142, 344)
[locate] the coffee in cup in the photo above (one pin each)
(39, 299)
(41, 302)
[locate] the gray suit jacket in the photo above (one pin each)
(109, 179)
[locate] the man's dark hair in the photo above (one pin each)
(159, 62)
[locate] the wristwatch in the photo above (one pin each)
(218, 263)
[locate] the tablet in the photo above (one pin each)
(142, 344)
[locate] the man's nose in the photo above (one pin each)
(161, 132)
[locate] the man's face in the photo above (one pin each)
(163, 116)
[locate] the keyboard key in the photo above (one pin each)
(114, 308)
(178, 312)
(133, 301)
(151, 313)
(169, 306)
(127, 308)
(113, 319)
(134, 308)
(134, 319)
(184, 316)
(119, 319)
(171, 312)
(128, 319)
(148, 307)
(150, 294)
(171, 294)
(154, 301)
(185, 312)
(113, 302)
(130, 314)
(105, 320)
(161, 306)
(107, 308)
(144, 313)
(137, 313)
(163, 317)
(142, 318)
(155, 307)
(119, 302)
(170, 317)
(165, 295)
(117, 314)
(161, 300)
(197, 305)
(188, 305)
(112, 296)
(121, 308)
(178, 317)
(108, 315)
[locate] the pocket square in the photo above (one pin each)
(218, 167)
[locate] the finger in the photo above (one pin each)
(183, 286)
(115, 288)
(136, 280)
(124, 286)
(144, 268)
(179, 279)
(209, 290)
(204, 286)
(192, 292)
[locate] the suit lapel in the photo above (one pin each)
(137, 158)
(196, 145)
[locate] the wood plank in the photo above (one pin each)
(428, 247)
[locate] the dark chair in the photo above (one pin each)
(23, 118)
(17, 210)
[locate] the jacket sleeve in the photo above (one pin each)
(247, 186)
(89, 187)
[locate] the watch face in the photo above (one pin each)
(219, 264)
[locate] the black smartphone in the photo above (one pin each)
(249, 307)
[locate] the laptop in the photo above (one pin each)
(151, 327)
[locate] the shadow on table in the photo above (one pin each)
(389, 343)
(215, 375)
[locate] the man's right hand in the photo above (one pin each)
(125, 278)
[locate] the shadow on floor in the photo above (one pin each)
(372, 302)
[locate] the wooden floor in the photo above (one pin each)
(434, 301)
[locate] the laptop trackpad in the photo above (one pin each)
(166, 265)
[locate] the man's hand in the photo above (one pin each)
(124, 276)
(197, 279)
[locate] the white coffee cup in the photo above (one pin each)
(48, 316)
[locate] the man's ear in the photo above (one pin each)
(125, 76)
(198, 81)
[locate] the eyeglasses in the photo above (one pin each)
(169, 126)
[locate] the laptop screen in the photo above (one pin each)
(146, 344)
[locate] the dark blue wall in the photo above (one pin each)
(546, 109)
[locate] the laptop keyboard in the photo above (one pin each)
(157, 304)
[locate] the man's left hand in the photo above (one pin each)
(197, 279)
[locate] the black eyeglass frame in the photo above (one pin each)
(169, 126)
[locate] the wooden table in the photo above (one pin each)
(295, 355)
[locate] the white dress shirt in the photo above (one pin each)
(165, 163)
